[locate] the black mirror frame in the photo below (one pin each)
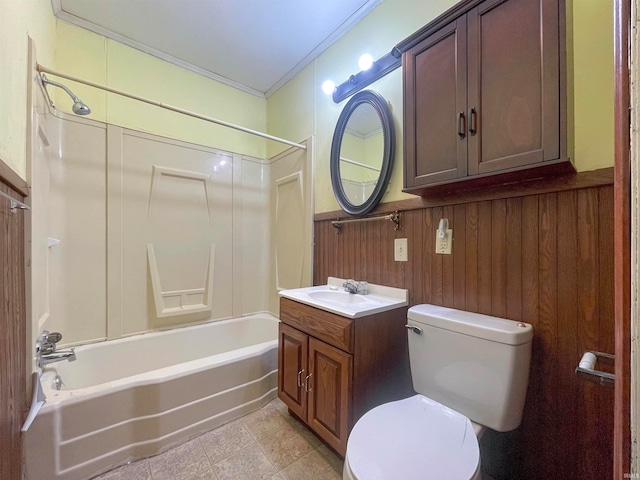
(381, 107)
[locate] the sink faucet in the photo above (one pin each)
(46, 349)
(352, 286)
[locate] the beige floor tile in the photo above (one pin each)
(334, 460)
(232, 450)
(206, 474)
(279, 405)
(223, 442)
(248, 464)
(264, 422)
(313, 466)
(179, 463)
(304, 431)
(134, 471)
(285, 446)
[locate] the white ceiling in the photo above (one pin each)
(254, 45)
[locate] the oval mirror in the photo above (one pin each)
(362, 153)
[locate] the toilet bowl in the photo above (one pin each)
(464, 366)
(415, 438)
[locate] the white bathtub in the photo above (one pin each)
(135, 397)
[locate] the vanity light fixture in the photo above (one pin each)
(365, 77)
(328, 87)
(365, 62)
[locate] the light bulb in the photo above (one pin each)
(328, 87)
(365, 62)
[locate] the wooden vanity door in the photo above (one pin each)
(292, 369)
(329, 393)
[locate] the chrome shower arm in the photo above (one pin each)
(79, 107)
(45, 80)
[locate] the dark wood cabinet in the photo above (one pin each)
(485, 95)
(332, 370)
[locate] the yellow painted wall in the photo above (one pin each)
(593, 79)
(18, 20)
(590, 54)
(296, 111)
(93, 57)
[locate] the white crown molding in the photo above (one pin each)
(337, 33)
(79, 22)
(56, 5)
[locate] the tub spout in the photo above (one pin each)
(57, 356)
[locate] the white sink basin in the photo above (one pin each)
(341, 298)
(332, 298)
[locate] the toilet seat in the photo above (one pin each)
(413, 438)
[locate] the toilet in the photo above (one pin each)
(470, 371)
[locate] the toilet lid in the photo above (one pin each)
(414, 438)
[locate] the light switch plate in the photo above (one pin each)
(400, 253)
(443, 245)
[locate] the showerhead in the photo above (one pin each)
(79, 107)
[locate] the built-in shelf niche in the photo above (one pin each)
(180, 302)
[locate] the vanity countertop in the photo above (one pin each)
(332, 298)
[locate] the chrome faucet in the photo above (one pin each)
(352, 286)
(57, 356)
(46, 349)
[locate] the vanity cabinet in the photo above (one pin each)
(485, 94)
(332, 369)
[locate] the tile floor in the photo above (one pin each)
(266, 444)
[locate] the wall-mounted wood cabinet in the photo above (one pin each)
(485, 94)
(332, 370)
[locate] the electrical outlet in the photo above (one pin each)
(443, 245)
(400, 253)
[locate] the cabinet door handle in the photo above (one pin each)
(462, 125)
(300, 377)
(306, 383)
(473, 121)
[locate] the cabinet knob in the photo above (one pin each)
(462, 125)
(306, 383)
(300, 378)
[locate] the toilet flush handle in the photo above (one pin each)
(414, 329)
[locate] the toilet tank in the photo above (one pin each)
(475, 364)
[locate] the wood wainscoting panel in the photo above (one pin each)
(12, 336)
(545, 259)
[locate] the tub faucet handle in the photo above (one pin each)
(54, 337)
(46, 348)
(50, 337)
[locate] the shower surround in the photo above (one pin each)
(132, 233)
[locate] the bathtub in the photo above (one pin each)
(135, 397)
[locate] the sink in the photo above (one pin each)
(337, 297)
(332, 298)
